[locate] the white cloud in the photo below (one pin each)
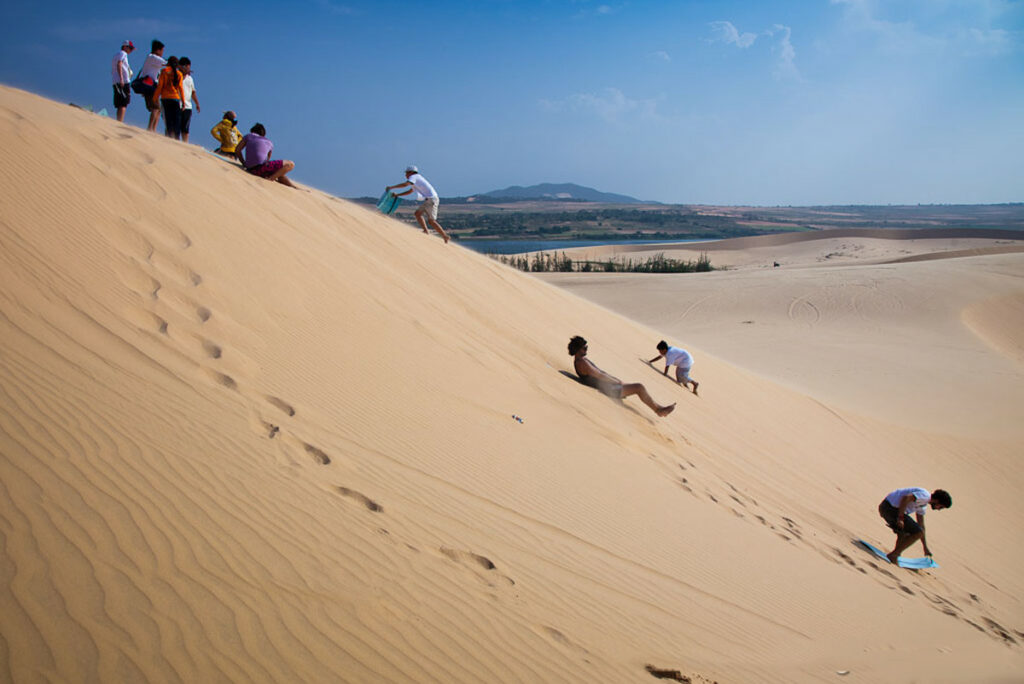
(785, 53)
(785, 64)
(611, 105)
(661, 56)
(968, 26)
(726, 33)
(988, 41)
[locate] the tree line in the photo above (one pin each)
(547, 262)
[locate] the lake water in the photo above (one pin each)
(520, 246)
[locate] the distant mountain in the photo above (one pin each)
(560, 191)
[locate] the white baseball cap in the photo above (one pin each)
(411, 169)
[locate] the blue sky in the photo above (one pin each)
(755, 102)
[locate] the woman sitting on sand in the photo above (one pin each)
(609, 385)
(254, 152)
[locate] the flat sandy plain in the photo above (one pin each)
(249, 433)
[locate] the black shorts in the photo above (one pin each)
(147, 91)
(122, 95)
(184, 120)
(890, 514)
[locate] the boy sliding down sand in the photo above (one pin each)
(609, 385)
(681, 359)
(897, 504)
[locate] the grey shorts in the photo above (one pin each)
(609, 389)
(683, 374)
(429, 208)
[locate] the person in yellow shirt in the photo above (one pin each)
(227, 134)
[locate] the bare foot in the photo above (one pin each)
(695, 383)
(665, 410)
(893, 557)
(446, 239)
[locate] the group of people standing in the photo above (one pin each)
(166, 86)
(168, 89)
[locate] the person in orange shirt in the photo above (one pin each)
(169, 94)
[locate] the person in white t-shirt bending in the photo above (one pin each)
(122, 75)
(427, 211)
(681, 359)
(188, 96)
(898, 503)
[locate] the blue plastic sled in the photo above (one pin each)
(912, 563)
(388, 203)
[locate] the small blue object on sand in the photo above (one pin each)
(912, 563)
(388, 203)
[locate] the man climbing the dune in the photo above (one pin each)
(607, 384)
(895, 507)
(427, 211)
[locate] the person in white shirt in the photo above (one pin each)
(150, 75)
(681, 359)
(898, 503)
(122, 75)
(427, 211)
(188, 96)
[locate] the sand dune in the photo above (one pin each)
(254, 434)
(839, 246)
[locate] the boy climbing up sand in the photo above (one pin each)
(897, 504)
(607, 384)
(681, 359)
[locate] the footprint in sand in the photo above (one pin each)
(794, 529)
(141, 282)
(1000, 631)
(318, 454)
(212, 350)
(473, 559)
(665, 673)
(560, 638)
(221, 378)
(361, 498)
(281, 405)
(849, 561)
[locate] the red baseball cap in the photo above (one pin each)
(128, 43)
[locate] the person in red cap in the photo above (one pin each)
(122, 75)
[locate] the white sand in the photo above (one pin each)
(253, 434)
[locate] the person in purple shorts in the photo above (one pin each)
(254, 153)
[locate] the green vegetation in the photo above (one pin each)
(574, 220)
(597, 223)
(546, 262)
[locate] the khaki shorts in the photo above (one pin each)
(429, 208)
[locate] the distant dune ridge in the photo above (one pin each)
(254, 434)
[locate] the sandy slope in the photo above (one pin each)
(887, 340)
(254, 434)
